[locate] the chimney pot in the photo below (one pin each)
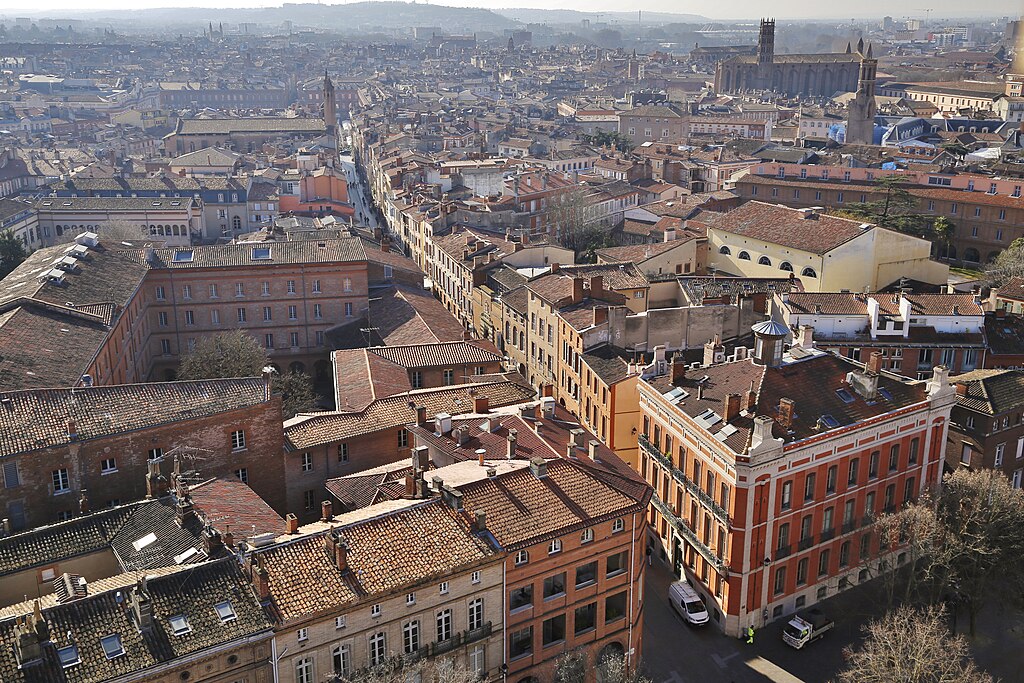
(481, 455)
(513, 436)
(874, 364)
(326, 511)
(592, 447)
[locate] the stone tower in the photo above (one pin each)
(860, 113)
(766, 42)
(330, 106)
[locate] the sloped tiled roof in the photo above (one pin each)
(444, 354)
(341, 250)
(307, 430)
(523, 509)
(813, 232)
(231, 505)
(34, 419)
(992, 392)
(390, 546)
(192, 592)
(408, 316)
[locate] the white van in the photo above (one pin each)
(687, 602)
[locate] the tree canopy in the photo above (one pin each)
(236, 354)
(1009, 263)
(12, 253)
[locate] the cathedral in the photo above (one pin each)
(819, 75)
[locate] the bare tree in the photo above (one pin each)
(396, 669)
(571, 218)
(911, 646)
(571, 667)
(1009, 263)
(616, 669)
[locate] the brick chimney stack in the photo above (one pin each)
(261, 580)
(787, 410)
(83, 502)
(291, 523)
(677, 369)
(597, 287)
(577, 290)
(733, 404)
(326, 511)
(480, 404)
(874, 364)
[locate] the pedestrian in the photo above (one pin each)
(750, 635)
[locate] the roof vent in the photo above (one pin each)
(87, 239)
(70, 587)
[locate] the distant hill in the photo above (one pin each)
(350, 17)
(568, 16)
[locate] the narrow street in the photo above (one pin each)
(358, 194)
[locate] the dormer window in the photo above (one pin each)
(184, 256)
(112, 646)
(261, 253)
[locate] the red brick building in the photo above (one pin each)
(768, 471)
(987, 423)
(64, 450)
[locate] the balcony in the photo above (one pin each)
(806, 543)
(443, 646)
(689, 535)
(691, 487)
(782, 551)
(849, 526)
(867, 520)
(828, 535)
(476, 634)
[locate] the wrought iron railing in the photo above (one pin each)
(688, 533)
(691, 487)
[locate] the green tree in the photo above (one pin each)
(610, 138)
(236, 354)
(12, 253)
(943, 230)
(895, 209)
(1009, 263)
(911, 646)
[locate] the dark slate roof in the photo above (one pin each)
(219, 255)
(1005, 336)
(115, 529)
(193, 592)
(79, 204)
(608, 362)
(993, 392)
(34, 419)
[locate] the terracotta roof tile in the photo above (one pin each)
(776, 224)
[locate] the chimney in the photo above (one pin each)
(291, 523)
(156, 484)
(421, 416)
(183, 507)
(677, 369)
(510, 447)
(385, 245)
(229, 538)
(480, 520)
(733, 404)
(805, 337)
(555, 268)
(261, 580)
(83, 502)
(410, 486)
(570, 450)
(539, 467)
(340, 553)
(787, 409)
(326, 511)
(961, 389)
(874, 364)
(72, 430)
(481, 455)
(592, 447)
(712, 348)
(577, 290)
(442, 424)
(751, 397)
(420, 459)
(600, 315)
(480, 404)
(212, 542)
(30, 632)
(597, 287)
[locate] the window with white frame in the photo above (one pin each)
(302, 634)
(375, 610)
(411, 636)
(475, 577)
(1000, 451)
(554, 546)
(316, 287)
(108, 465)
(476, 613)
(237, 440)
(61, 481)
(304, 670)
(307, 462)
(410, 598)
(341, 658)
(444, 625)
(242, 475)
(339, 622)
(522, 557)
(443, 588)
(378, 648)
(587, 536)
(478, 660)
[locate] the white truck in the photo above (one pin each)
(805, 627)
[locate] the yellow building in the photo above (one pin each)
(827, 253)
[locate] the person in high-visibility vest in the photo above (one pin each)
(750, 635)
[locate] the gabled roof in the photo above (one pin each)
(992, 392)
(38, 418)
(341, 250)
(192, 592)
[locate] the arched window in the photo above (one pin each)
(725, 250)
(972, 254)
(808, 272)
(786, 265)
(744, 256)
(764, 261)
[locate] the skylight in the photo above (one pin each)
(68, 656)
(260, 253)
(180, 625)
(144, 541)
(112, 646)
(184, 256)
(845, 395)
(225, 611)
(885, 393)
(829, 421)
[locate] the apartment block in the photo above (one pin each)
(769, 471)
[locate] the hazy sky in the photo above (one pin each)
(727, 10)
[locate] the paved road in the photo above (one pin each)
(674, 652)
(358, 194)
